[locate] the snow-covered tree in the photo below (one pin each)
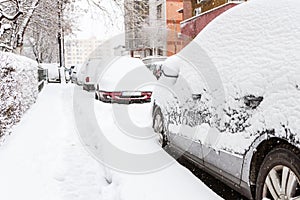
(14, 19)
(38, 18)
(43, 30)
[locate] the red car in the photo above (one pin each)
(126, 80)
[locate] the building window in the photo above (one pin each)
(159, 11)
(197, 11)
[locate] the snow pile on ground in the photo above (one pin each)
(18, 88)
(44, 160)
(255, 47)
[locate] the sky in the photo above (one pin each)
(94, 23)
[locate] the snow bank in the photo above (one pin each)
(54, 165)
(255, 47)
(18, 88)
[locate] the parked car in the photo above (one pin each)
(232, 99)
(73, 76)
(80, 74)
(53, 72)
(120, 82)
(42, 77)
(67, 73)
(89, 70)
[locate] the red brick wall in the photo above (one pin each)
(173, 23)
(187, 9)
(192, 27)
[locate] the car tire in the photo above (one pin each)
(158, 127)
(279, 174)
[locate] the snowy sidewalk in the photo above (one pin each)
(43, 159)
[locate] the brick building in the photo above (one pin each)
(173, 19)
(198, 13)
(156, 40)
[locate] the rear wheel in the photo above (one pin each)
(158, 126)
(279, 176)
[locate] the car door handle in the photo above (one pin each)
(196, 96)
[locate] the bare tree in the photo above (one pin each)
(10, 11)
(15, 17)
(43, 30)
(19, 16)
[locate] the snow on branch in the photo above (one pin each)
(8, 16)
(5, 46)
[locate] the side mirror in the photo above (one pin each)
(168, 75)
(170, 72)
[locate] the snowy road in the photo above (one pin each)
(44, 159)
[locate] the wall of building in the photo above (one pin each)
(173, 19)
(187, 9)
(161, 33)
(157, 27)
(207, 4)
(193, 26)
(203, 5)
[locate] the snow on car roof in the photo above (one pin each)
(255, 43)
(255, 49)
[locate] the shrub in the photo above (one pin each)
(18, 89)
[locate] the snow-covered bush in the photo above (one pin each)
(18, 88)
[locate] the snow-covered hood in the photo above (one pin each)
(256, 45)
(126, 74)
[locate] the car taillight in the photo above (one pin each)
(87, 79)
(147, 94)
(109, 94)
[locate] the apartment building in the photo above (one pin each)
(77, 51)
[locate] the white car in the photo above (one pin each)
(231, 99)
(89, 71)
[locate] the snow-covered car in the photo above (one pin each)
(154, 64)
(68, 72)
(80, 74)
(53, 72)
(89, 70)
(42, 77)
(73, 76)
(125, 81)
(88, 73)
(233, 107)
